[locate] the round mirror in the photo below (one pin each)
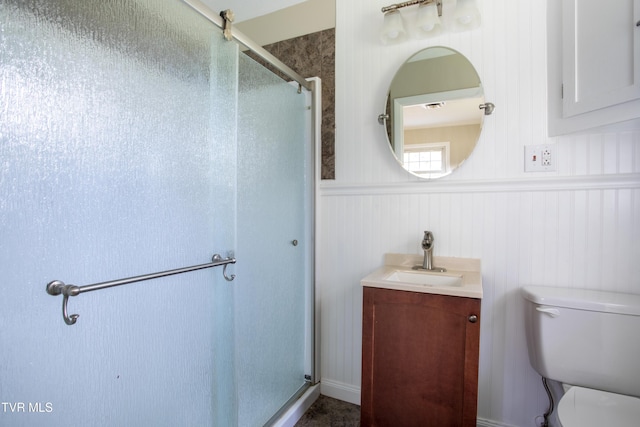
(434, 113)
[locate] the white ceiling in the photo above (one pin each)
(454, 112)
(249, 9)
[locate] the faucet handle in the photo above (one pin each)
(427, 240)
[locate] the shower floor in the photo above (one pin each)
(329, 412)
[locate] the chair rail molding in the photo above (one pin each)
(571, 183)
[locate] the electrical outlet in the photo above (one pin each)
(539, 158)
(546, 157)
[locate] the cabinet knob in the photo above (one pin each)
(473, 318)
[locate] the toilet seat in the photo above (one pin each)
(584, 407)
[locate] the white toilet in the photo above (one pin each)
(590, 342)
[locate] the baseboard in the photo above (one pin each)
(340, 391)
(489, 423)
(293, 414)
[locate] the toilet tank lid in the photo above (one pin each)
(584, 299)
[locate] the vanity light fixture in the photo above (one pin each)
(428, 21)
(463, 16)
(393, 28)
(467, 16)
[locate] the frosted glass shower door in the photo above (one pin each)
(271, 299)
(135, 139)
(110, 168)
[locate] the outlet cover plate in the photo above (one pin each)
(539, 158)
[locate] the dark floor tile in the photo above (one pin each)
(328, 412)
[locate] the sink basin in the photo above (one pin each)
(462, 278)
(425, 278)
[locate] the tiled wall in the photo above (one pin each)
(313, 55)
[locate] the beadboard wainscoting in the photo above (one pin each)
(561, 233)
(577, 226)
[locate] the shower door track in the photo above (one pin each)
(203, 10)
(297, 395)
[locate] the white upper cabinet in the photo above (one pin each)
(594, 63)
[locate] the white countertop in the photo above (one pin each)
(467, 268)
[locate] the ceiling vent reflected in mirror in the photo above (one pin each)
(434, 105)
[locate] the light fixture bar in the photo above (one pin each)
(411, 3)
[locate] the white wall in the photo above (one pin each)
(249, 9)
(575, 227)
(298, 20)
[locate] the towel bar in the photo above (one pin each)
(58, 287)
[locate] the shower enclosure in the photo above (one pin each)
(135, 139)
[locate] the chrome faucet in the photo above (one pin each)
(427, 247)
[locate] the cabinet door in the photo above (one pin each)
(420, 359)
(601, 54)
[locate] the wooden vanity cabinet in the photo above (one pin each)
(419, 359)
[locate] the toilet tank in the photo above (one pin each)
(584, 337)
